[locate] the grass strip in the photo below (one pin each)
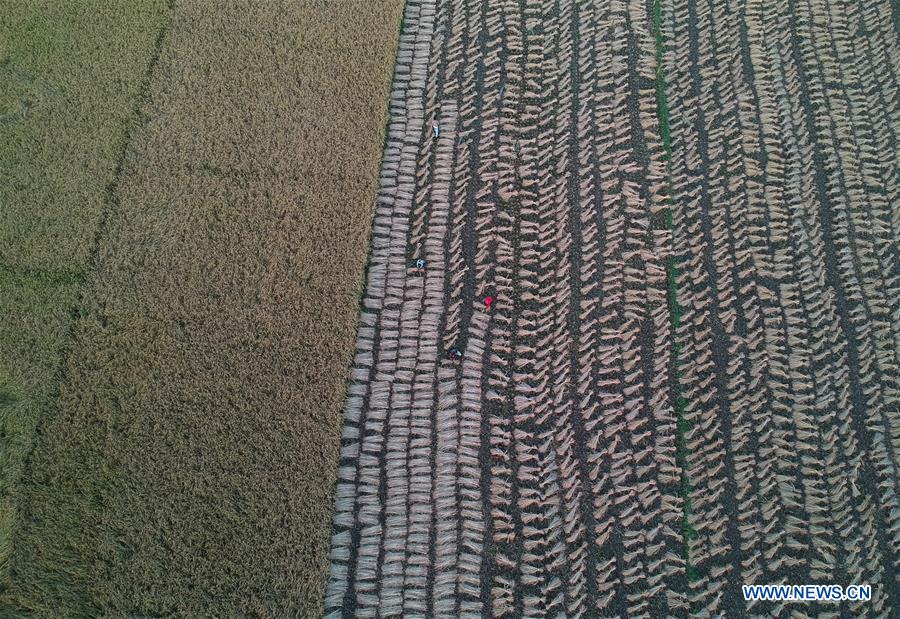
(683, 425)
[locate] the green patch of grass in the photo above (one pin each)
(44, 277)
(7, 399)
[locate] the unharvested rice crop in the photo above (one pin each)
(187, 465)
(687, 217)
(71, 74)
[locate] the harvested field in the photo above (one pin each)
(687, 215)
(537, 475)
(187, 466)
(70, 79)
(786, 177)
